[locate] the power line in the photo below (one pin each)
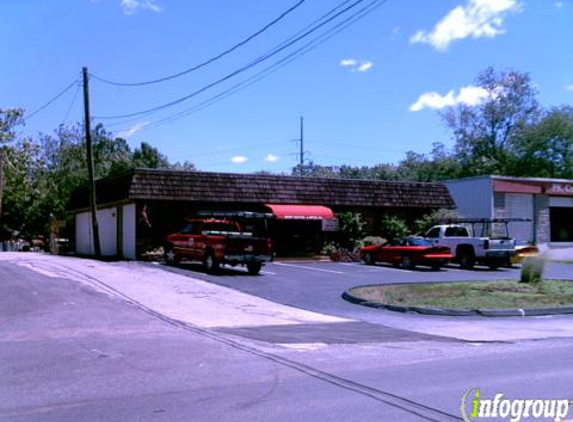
(212, 59)
(232, 90)
(260, 59)
(53, 99)
(72, 103)
(371, 7)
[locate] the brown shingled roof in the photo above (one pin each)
(175, 185)
(150, 184)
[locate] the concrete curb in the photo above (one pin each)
(459, 312)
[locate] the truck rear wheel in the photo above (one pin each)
(254, 268)
(467, 260)
(211, 263)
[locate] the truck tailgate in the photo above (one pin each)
(244, 244)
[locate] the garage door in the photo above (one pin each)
(520, 205)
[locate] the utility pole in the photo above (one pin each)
(90, 162)
(301, 145)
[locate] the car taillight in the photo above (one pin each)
(270, 244)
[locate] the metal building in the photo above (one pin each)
(548, 203)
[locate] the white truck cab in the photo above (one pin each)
(468, 249)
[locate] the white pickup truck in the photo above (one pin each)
(469, 250)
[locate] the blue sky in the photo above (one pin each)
(368, 93)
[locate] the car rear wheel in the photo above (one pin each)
(211, 263)
(254, 268)
(407, 262)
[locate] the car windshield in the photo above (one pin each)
(417, 241)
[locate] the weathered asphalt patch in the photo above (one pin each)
(330, 333)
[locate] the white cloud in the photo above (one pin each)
(569, 88)
(348, 63)
(558, 4)
(132, 6)
(239, 159)
(477, 19)
(271, 158)
(365, 67)
(356, 65)
(134, 129)
(469, 95)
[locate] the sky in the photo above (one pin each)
(232, 79)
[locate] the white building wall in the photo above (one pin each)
(129, 251)
(107, 223)
(84, 243)
(473, 197)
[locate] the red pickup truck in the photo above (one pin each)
(215, 242)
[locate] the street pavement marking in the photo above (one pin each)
(309, 268)
(374, 269)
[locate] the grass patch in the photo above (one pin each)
(502, 294)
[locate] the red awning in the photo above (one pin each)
(301, 212)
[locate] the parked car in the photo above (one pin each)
(524, 250)
(407, 252)
(218, 241)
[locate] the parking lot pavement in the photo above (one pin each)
(318, 287)
(304, 295)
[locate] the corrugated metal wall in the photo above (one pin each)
(520, 205)
(473, 197)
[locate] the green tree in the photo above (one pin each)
(485, 133)
(10, 118)
(27, 186)
(545, 148)
(147, 156)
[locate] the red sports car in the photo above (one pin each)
(407, 252)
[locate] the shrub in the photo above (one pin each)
(370, 240)
(351, 229)
(392, 226)
(329, 248)
(532, 270)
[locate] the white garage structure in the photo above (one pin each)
(548, 203)
(116, 232)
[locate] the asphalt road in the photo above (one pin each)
(70, 353)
